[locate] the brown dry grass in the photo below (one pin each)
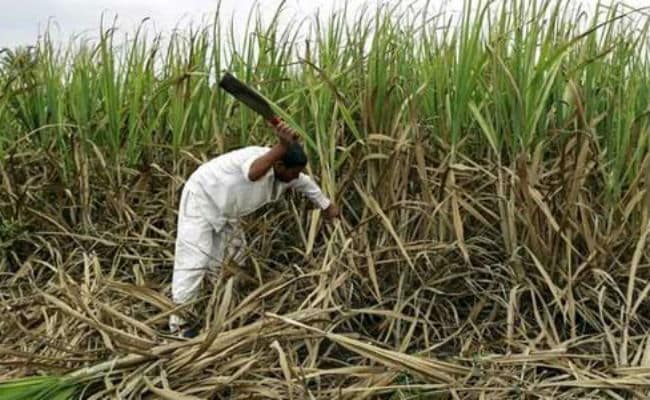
(450, 281)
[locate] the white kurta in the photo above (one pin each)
(215, 196)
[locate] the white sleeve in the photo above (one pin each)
(309, 188)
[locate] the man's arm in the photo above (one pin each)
(310, 189)
(264, 163)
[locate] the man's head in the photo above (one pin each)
(292, 164)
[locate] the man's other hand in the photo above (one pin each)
(332, 212)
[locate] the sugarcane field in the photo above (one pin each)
(382, 200)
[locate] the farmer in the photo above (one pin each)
(221, 191)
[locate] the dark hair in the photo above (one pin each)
(295, 156)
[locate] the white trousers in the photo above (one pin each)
(201, 246)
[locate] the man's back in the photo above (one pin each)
(224, 180)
